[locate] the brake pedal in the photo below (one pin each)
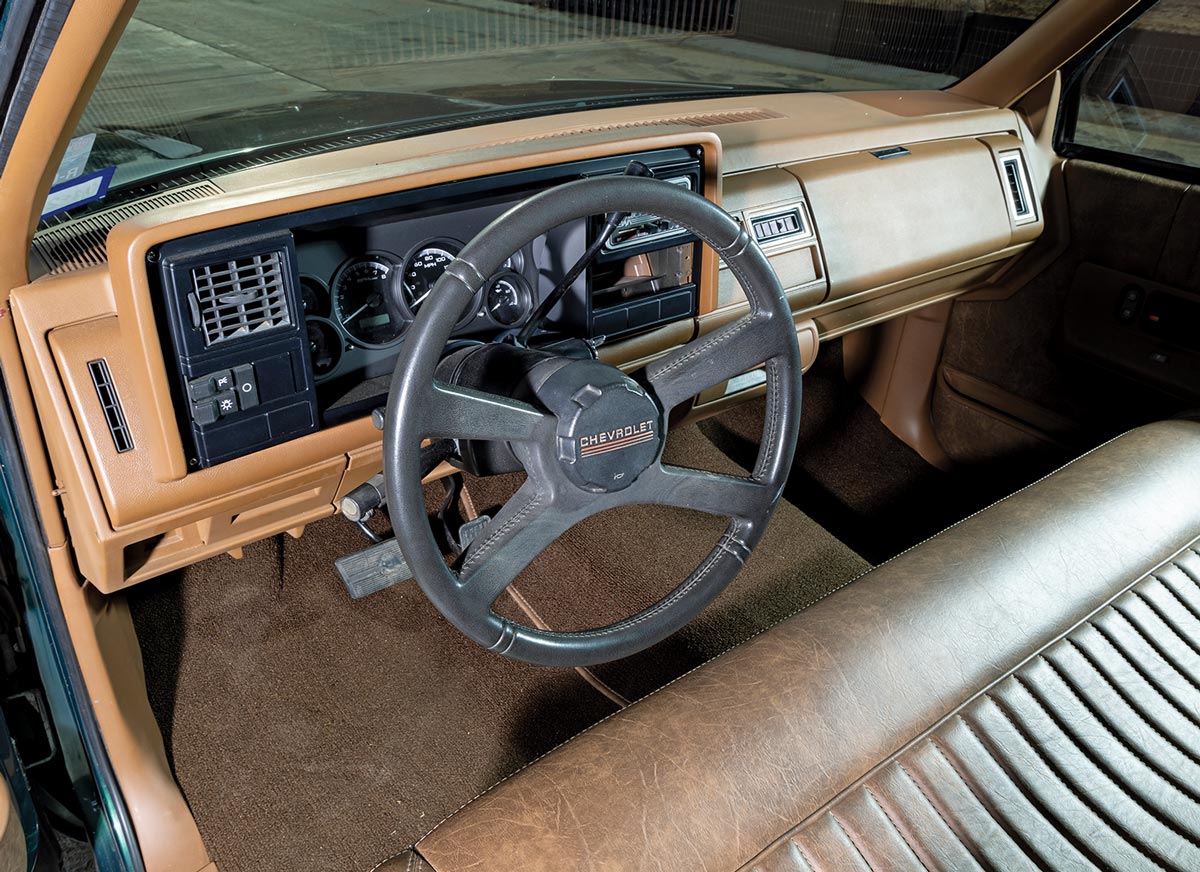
(373, 569)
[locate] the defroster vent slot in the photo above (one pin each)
(114, 416)
(238, 297)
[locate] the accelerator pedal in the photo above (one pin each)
(373, 569)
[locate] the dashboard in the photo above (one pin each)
(204, 373)
(284, 327)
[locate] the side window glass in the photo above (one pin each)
(1141, 95)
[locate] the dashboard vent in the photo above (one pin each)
(238, 297)
(66, 244)
(1017, 184)
(111, 404)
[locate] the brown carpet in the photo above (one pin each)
(309, 731)
(621, 561)
(855, 478)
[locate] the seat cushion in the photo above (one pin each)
(1021, 691)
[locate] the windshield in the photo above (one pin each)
(194, 83)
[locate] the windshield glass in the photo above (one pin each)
(195, 83)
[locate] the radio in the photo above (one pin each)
(644, 274)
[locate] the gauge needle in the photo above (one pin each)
(421, 299)
(356, 312)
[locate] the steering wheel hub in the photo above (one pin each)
(609, 428)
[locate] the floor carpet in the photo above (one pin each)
(311, 731)
(855, 478)
(621, 561)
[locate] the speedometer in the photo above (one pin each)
(365, 299)
(424, 267)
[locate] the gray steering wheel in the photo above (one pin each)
(589, 436)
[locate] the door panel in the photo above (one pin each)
(1063, 363)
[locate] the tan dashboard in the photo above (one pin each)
(868, 207)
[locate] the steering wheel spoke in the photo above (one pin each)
(710, 360)
(464, 413)
(525, 527)
(715, 493)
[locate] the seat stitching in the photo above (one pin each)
(911, 847)
(380, 864)
(1154, 646)
(1078, 794)
(803, 856)
(1041, 808)
(1168, 621)
(945, 821)
(1097, 713)
(1141, 671)
(1170, 587)
(853, 843)
(989, 808)
(1192, 577)
(956, 713)
(1101, 763)
(1134, 707)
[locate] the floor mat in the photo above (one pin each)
(310, 731)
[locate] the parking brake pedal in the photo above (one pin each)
(373, 569)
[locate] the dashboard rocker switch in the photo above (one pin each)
(205, 413)
(245, 386)
(226, 402)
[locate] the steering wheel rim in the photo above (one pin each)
(421, 407)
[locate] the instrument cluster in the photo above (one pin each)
(360, 313)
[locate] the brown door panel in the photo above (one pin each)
(1063, 348)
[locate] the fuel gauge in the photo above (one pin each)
(509, 299)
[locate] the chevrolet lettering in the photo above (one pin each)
(616, 439)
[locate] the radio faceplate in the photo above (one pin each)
(645, 275)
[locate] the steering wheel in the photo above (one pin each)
(589, 436)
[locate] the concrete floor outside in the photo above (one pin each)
(180, 60)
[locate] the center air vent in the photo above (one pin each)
(239, 297)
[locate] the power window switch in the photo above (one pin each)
(1131, 301)
(205, 412)
(245, 386)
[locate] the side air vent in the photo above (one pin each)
(111, 404)
(66, 244)
(239, 297)
(1016, 181)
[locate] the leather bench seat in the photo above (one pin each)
(1020, 692)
